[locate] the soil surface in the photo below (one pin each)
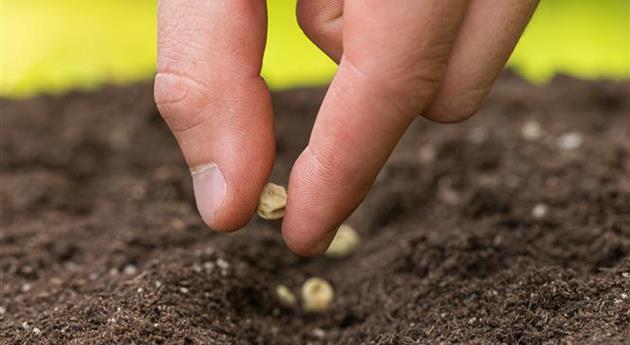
(510, 228)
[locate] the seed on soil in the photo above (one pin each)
(317, 295)
(272, 202)
(285, 296)
(531, 130)
(345, 242)
(570, 141)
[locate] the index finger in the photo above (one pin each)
(394, 58)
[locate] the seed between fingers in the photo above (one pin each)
(273, 201)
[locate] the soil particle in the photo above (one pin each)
(101, 243)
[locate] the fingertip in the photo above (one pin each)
(303, 243)
(321, 196)
(226, 206)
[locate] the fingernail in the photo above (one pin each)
(209, 187)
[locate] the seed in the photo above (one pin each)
(285, 296)
(317, 295)
(272, 202)
(345, 242)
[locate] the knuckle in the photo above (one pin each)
(406, 90)
(413, 91)
(312, 20)
(180, 100)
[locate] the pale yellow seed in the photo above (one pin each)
(272, 202)
(285, 296)
(317, 295)
(345, 242)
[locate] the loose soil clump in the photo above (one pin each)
(513, 227)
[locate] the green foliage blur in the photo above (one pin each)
(55, 45)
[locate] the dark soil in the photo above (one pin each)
(101, 243)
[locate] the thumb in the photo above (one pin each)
(209, 90)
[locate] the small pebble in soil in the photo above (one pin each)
(446, 193)
(318, 333)
(345, 242)
(478, 135)
(317, 295)
(570, 141)
(71, 266)
(539, 211)
(272, 202)
(178, 224)
(3, 310)
(130, 270)
(224, 265)
(285, 296)
(531, 130)
(208, 266)
(37, 331)
(427, 154)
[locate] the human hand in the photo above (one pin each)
(397, 60)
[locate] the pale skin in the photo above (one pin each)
(397, 59)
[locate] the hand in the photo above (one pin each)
(397, 60)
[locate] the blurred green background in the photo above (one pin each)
(54, 45)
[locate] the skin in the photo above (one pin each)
(397, 60)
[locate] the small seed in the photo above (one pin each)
(285, 296)
(345, 242)
(272, 202)
(317, 295)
